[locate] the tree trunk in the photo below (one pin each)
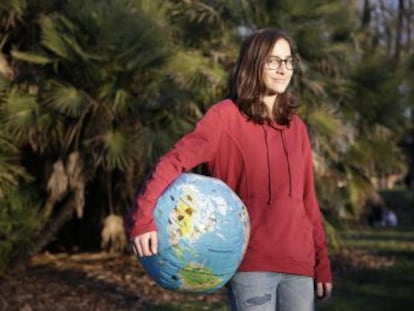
(399, 31)
(366, 15)
(48, 234)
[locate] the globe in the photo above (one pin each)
(203, 230)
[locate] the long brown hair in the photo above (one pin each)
(246, 85)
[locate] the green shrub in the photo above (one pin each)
(20, 219)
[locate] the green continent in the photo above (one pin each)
(196, 277)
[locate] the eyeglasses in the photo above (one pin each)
(274, 62)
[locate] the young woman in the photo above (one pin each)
(256, 144)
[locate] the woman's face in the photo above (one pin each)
(278, 69)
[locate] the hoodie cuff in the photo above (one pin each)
(136, 227)
(323, 273)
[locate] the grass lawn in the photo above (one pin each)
(380, 272)
(382, 278)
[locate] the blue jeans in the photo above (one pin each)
(269, 291)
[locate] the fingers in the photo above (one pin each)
(323, 291)
(319, 290)
(145, 244)
(154, 242)
(134, 246)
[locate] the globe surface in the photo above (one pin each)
(203, 231)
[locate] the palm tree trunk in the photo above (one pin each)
(55, 224)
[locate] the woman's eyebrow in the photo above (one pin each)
(272, 55)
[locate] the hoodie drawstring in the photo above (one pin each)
(269, 182)
(285, 151)
(287, 160)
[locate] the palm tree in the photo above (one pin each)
(87, 103)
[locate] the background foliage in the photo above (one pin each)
(92, 93)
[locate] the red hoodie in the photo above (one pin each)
(270, 167)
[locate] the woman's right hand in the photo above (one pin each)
(145, 244)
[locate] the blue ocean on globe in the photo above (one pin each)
(203, 231)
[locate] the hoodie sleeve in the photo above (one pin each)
(322, 264)
(194, 148)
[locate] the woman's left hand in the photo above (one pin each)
(323, 291)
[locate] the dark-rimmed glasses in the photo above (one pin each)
(274, 62)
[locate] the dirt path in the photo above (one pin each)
(87, 282)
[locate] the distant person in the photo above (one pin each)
(390, 218)
(255, 142)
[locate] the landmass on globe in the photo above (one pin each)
(198, 278)
(181, 221)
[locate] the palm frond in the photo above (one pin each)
(328, 131)
(66, 99)
(324, 121)
(192, 70)
(31, 57)
(4, 87)
(52, 37)
(117, 150)
(20, 111)
(11, 172)
(359, 189)
(11, 11)
(20, 220)
(122, 102)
